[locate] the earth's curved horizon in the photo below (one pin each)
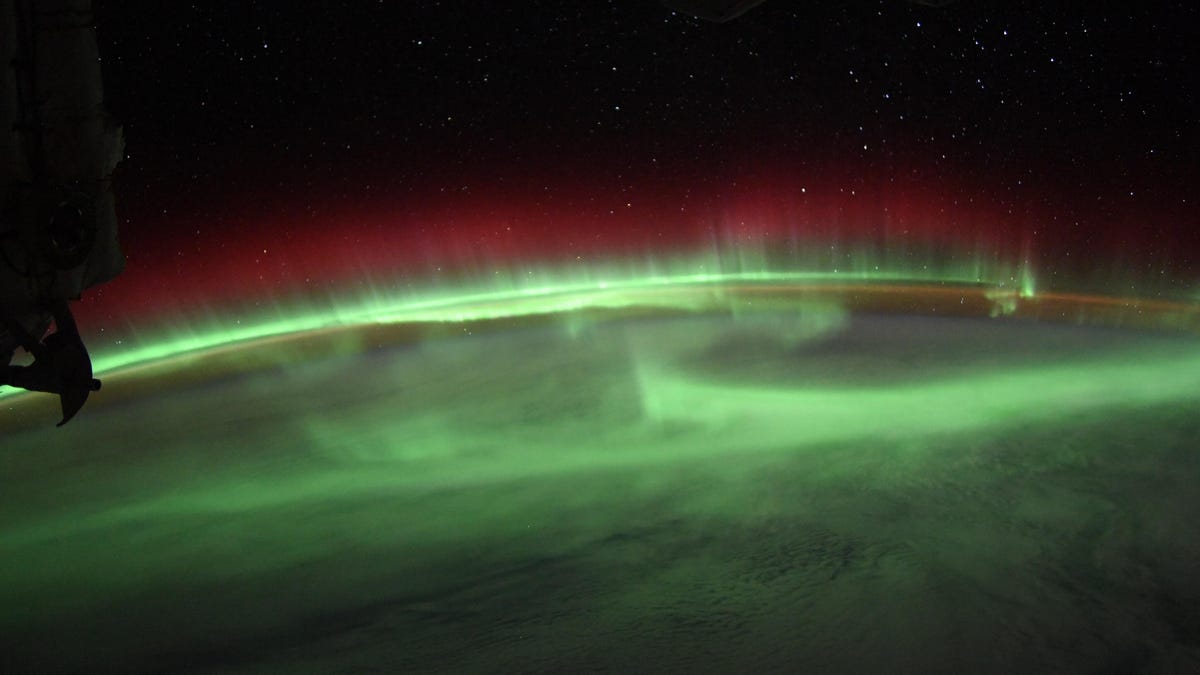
(406, 317)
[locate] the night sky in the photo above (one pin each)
(294, 147)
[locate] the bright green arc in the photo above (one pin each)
(492, 294)
(463, 305)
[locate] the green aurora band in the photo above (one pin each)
(686, 282)
(474, 295)
(428, 446)
(710, 414)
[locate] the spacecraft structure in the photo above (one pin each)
(58, 225)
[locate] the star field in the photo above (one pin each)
(281, 146)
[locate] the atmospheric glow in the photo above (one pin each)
(469, 295)
(689, 283)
